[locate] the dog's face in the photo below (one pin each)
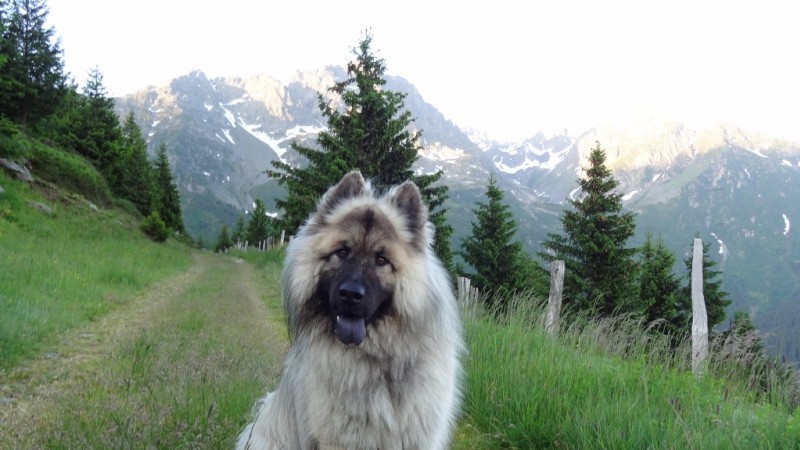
(358, 275)
(363, 242)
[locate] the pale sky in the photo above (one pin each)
(508, 67)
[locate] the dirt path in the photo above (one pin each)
(178, 315)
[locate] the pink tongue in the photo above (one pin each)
(350, 330)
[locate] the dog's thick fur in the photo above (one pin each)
(375, 333)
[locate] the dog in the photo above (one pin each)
(376, 339)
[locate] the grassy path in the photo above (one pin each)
(179, 367)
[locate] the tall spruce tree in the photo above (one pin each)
(238, 234)
(34, 82)
(715, 298)
(131, 176)
(371, 132)
(223, 240)
(102, 133)
(259, 227)
(659, 288)
(166, 197)
(500, 264)
(600, 271)
(7, 84)
(88, 124)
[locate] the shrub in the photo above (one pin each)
(154, 227)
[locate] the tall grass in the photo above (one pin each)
(602, 384)
(63, 270)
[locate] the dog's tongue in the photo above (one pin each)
(350, 330)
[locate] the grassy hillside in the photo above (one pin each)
(109, 340)
(69, 267)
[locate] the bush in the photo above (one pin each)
(154, 227)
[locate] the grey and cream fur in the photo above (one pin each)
(375, 333)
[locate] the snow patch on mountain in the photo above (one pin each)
(756, 152)
(723, 249)
(227, 134)
(440, 152)
(629, 195)
(542, 158)
(237, 101)
(229, 115)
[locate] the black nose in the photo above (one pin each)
(351, 291)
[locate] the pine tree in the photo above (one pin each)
(600, 271)
(745, 332)
(500, 263)
(258, 229)
(166, 197)
(372, 133)
(8, 86)
(659, 288)
(239, 234)
(88, 124)
(223, 241)
(131, 176)
(715, 298)
(35, 83)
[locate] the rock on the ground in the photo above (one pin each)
(41, 207)
(17, 170)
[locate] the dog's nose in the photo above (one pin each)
(352, 291)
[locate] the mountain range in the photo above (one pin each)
(736, 189)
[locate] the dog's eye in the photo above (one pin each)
(342, 252)
(381, 260)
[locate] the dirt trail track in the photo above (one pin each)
(29, 392)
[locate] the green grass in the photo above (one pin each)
(603, 385)
(64, 270)
(189, 377)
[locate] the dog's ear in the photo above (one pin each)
(351, 185)
(408, 200)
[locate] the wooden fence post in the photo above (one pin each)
(467, 295)
(554, 302)
(699, 314)
(283, 234)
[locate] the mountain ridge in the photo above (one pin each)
(724, 183)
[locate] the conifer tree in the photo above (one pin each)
(88, 124)
(372, 133)
(34, 82)
(166, 197)
(500, 263)
(131, 176)
(715, 298)
(659, 288)
(7, 84)
(600, 271)
(239, 234)
(223, 241)
(258, 228)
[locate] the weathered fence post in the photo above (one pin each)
(699, 314)
(283, 234)
(467, 295)
(554, 302)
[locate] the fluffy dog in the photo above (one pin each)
(374, 327)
